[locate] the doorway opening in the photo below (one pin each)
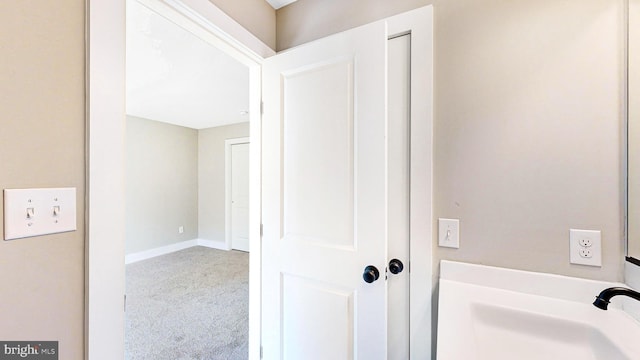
(105, 248)
(105, 276)
(185, 99)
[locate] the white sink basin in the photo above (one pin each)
(492, 313)
(501, 332)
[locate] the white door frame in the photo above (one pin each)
(227, 186)
(105, 124)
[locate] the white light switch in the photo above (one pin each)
(449, 233)
(35, 212)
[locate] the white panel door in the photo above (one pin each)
(240, 196)
(324, 198)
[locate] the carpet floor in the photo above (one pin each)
(191, 304)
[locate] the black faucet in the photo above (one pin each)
(602, 300)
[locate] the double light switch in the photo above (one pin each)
(34, 212)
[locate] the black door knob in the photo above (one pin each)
(396, 266)
(370, 274)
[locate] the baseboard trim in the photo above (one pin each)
(214, 244)
(167, 249)
(163, 250)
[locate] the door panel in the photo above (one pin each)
(318, 151)
(324, 216)
(315, 334)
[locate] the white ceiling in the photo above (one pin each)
(277, 4)
(175, 77)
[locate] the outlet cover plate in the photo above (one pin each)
(577, 238)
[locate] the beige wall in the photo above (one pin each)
(42, 145)
(211, 178)
(306, 20)
(257, 16)
(528, 128)
(161, 184)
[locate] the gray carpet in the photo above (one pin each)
(191, 304)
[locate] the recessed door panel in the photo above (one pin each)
(318, 180)
(309, 332)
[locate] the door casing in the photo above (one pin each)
(105, 124)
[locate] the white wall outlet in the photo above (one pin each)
(585, 253)
(449, 233)
(585, 247)
(180, 229)
(585, 242)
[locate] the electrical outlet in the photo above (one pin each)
(585, 247)
(585, 242)
(180, 229)
(585, 253)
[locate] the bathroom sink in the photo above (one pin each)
(501, 332)
(492, 313)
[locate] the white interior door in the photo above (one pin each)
(347, 164)
(324, 198)
(240, 196)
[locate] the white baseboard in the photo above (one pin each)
(163, 250)
(214, 244)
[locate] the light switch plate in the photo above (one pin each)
(30, 212)
(585, 247)
(449, 233)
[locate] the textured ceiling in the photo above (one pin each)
(175, 77)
